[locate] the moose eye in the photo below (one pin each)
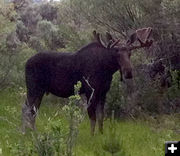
(116, 52)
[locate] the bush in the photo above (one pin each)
(22, 32)
(115, 97)
(50, 34)
(48, 11)
(74, 116)
(112, 144)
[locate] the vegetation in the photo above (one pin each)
(52, 129)
(146, 112)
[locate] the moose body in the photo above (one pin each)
(57, 73)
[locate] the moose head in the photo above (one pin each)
(122, 52)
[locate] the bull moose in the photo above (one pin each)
(93, 65)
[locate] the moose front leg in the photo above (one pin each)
(92, 116)
(100, 117)
(100, 114)
(92, 103)
(96, 110)
(92, 106)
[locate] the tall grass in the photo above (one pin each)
(139, 137)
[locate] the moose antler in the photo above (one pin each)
(141, 35)
(115, 43)
(147, 44)
(112, 42)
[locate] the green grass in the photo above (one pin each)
(139, 137)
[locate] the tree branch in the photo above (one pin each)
(92, 93)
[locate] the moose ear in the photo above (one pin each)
(144, 34)
(98, 38)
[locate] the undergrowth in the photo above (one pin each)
(139, 137)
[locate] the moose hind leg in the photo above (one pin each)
(29, 111)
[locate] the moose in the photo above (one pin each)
(93, 65)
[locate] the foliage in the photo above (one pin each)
(52, 142)
(58, 141)
(48, 11)
(22, 31)
(36, 44)
(150, 133)
(30, 17)
(6, 28)
(49, 33)
(74, 116)
(115, 98)
(112, 143)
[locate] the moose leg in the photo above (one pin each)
(92, 117)
(92, 112)
(92, 100)
(100, 114)
(29, 111)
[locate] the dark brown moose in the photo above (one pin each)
(93, 65)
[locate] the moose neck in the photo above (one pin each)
(110, 61)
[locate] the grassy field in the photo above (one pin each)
(141, 137)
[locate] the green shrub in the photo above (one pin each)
(115, 97)
(112, 144)
(74, 116)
